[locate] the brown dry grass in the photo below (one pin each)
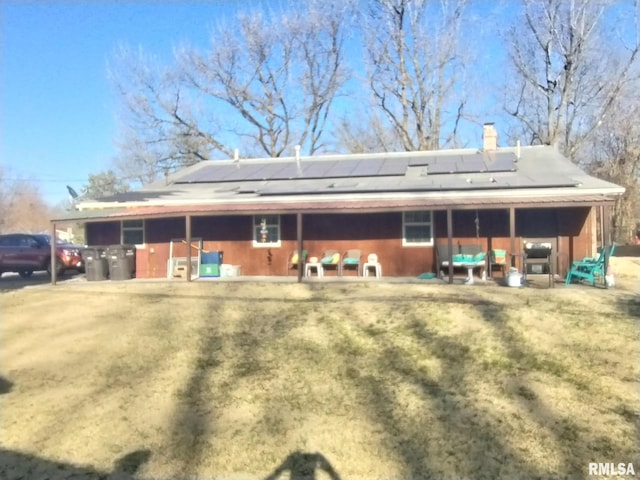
(384, 380)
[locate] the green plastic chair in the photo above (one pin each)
(590, 269)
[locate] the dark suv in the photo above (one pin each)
(25, 253)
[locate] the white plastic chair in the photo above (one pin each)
(372, 262)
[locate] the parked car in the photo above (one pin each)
(26, 253)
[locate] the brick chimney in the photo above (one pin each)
(489, 137)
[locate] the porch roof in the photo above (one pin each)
(335, 206)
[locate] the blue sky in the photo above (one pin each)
(57, 120)
(57, 108)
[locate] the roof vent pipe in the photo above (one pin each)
(297, 149)
(236, 157)
(518, 150)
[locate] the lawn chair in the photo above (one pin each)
(293, 262)
(497, 261)
(372, 263)
(330, 260)
(351, 260)
(590, 269)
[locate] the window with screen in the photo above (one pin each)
(132, 232)
(417, 229)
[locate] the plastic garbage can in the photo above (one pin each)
(122, 261)
(96, 266)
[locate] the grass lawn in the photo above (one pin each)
(358, 380)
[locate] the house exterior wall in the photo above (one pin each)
(379, 233)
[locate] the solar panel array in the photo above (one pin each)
(374, 167)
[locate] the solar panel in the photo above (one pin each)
(241, 173)
(316, 169)
(224, 172)
(290, 170)
(378, 166)
(208, 173)
(393, 166)
(341, 169)
(367, 168)
(470, 163)
(275, 170)
(501, 162)
(442, 165)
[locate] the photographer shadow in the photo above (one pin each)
(304, 466)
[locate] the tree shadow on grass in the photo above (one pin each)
(18, 465)
(236, 349)
(573, 438)
(475, 449)
(194, 416)
(629, 304)
(5, 385)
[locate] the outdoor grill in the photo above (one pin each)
(537, 250)
(538, 259)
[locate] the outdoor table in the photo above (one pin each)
(317, 266)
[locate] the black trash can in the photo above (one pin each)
(96, 266)
(122, 261)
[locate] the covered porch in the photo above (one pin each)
(573, 224)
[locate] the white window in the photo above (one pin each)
(132, 232)
(417, 229)
(266, 231)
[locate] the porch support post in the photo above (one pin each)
(450, 242)
(512, 234)
(54, 255)
(606, 234)
(601, 226)
(188, 238)
(301, 259)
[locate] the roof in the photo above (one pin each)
(460, 178)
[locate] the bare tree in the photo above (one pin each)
(22, 208)
(358, 134)
(568, 69)
(265, 84)
(414, 68)
(615, 147)
(158, 128)
(279, 75)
